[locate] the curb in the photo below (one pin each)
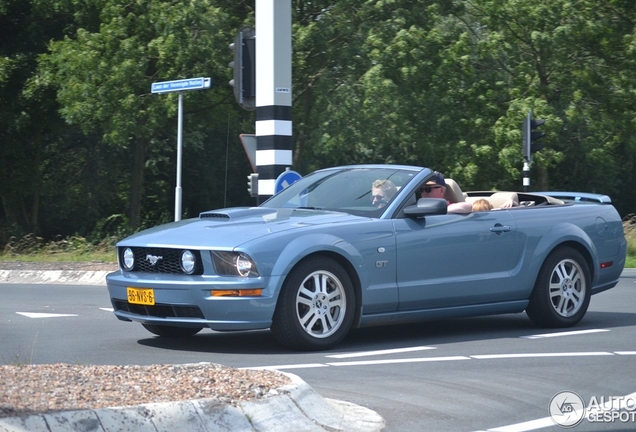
(295, 406)
(68, 277)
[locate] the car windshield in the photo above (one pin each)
(360, 191)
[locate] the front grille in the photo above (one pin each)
(161, 260)
(158, 310)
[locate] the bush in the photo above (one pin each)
(74, 248)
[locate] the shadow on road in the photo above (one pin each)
(394, 336)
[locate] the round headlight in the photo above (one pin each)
(188, 262)
(128, 259)
(244, 265)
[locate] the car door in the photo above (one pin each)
(456, 259)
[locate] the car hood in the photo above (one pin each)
(229, 228)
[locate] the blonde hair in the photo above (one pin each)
(386, 186)
(482, 205)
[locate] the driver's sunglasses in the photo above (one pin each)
(428, 189)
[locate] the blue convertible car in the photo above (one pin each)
(357, 246)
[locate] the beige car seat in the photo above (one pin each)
(498, 199)
(453, 192)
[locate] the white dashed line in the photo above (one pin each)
(534, 355)
(44, 315)
(569, 333)
(382, 352)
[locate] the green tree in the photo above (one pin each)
(103, 77)
(29, 124)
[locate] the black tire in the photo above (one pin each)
(562, 292)
(316, 306)
(172, 331)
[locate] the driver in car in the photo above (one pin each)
(436, 188)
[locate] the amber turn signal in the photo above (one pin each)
(237, 293)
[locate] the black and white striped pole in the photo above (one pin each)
(530, 145)
(527, 154)
(273, 93)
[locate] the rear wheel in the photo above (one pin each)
(562, 291)
(316, 306)
(172, 331)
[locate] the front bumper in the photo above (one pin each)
(186, 301)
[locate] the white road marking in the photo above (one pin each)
(44, 315)
(526, 426)
(533, 355)
(406, 360)
(447, 358)
(382, 352)
(559, 334)
(297, 366)
(107, 309)
(611, 405)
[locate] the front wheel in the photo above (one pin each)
(562, 291)
(172, 331)
(316, 306)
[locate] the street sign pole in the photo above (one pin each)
(180, 86)
(177, 190)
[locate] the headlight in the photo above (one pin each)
(233, 264)
(128, 260)
(188, 262)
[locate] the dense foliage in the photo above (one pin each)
(85, 149)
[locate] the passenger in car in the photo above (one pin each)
(381, 192)
(482, 205)
(436, 188)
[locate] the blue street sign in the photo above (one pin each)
(181, 85)
(285, 179)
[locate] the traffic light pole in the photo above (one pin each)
(530, 145)
(526, 176)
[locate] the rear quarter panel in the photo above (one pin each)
(594, 229)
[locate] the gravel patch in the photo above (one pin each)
(32, 389)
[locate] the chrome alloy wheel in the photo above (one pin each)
(321, 304)
(567, 287)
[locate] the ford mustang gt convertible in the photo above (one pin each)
(328, 254)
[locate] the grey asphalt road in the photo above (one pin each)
(463, 375)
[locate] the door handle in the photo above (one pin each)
(498, 229)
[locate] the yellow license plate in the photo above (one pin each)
(141, 296)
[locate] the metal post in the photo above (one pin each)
(526, 176)
(177, 190)
(273, 125)
(180, 86)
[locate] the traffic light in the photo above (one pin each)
(244, 65)
(530, 136)
(252, 184)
